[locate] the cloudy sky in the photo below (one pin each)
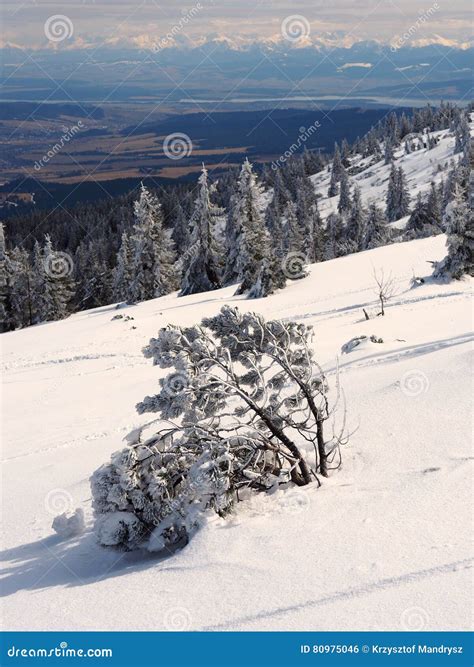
(126, 20)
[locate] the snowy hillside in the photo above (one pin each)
(422, 167)
(381, 545)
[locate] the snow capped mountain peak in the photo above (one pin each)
(441, 41)
(240, 43)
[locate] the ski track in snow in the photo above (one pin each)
(406, 352)
(340, 312)
(69, 443)
(30, 363)
(357, 592)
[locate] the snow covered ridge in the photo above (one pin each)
(382, 540)
(241, 43)
(422, 166)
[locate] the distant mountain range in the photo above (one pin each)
(216, 67)
(319, 42)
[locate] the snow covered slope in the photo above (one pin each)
(382, 545)
(422, 167)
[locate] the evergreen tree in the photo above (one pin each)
(398, 196)
(356, 224)
(462, 135)
(418, 225)
(122, 274)
(392, 131)
(392, 194)
(39, 280)
(312, 162)
(377, 232)
(337, 162)
(459, 221)
(405, 126)
(20, 287)
(281, 193)
(203, 272)
(233, 231)
(180, 234)
(372, 146)
(251, 237)
(335, 237)
(293, 173)
(344, 204)
(434, 208)
(345, 153)
(309, 220)
(404, 194)
(294, 240)
(264, 284)
(388, 151)
(333, 184)
(277, 239)
(153, 253)
(95, 287)
(55, 277)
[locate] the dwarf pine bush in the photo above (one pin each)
(244, 407)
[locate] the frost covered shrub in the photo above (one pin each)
(459, 221)
(156, 492)
(69, 525)
(244, 407)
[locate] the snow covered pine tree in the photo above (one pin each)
(459, 220)
(203, 271)
(152, 264)
(243, 408)
(252, 250)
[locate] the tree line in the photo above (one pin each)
(254, 230)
